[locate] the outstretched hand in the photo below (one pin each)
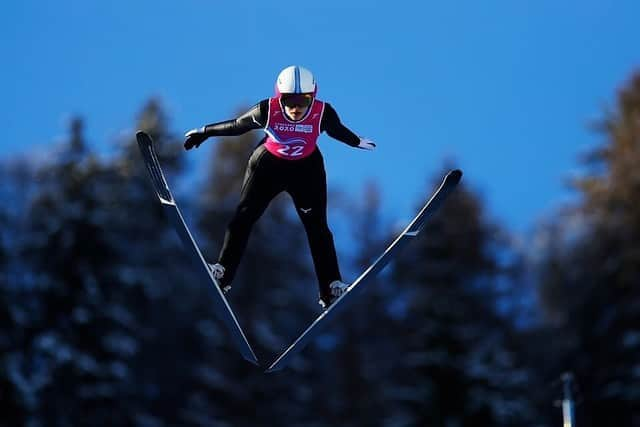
(194, 138)
(366, 144)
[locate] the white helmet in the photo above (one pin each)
(295, 79)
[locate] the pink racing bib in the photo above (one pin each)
(292, 140)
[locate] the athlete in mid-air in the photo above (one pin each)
(287, 159)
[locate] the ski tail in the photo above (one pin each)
(449, 183)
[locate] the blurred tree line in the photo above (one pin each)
(103, 324)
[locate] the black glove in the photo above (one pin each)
(195, 137)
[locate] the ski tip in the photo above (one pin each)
(454, 175)
(143, 137)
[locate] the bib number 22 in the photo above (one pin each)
(291, 150)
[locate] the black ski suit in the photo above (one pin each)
(268, 175)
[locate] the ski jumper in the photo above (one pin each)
(287, 159)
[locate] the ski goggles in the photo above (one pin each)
(297, 100)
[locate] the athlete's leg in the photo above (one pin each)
(262, 182)
(309, 192)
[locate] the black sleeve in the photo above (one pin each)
(335, 129)
(255, 118)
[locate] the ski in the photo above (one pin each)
(449, 183)
(221, 306)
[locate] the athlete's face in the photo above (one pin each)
(296, 105)
(296, 112)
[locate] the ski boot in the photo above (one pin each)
(338, 288)
(217, 270)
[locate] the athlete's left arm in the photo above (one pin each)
(335, 129)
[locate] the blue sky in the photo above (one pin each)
(505, 89)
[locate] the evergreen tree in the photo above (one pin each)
(161, 294)
(16, 303)
(589, 279)
(10, 406)
(459, 364)
(102, 297)
(359, 349)
(66, 359)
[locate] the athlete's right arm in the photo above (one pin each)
(255, 118)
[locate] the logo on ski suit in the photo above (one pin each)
(292, 140)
